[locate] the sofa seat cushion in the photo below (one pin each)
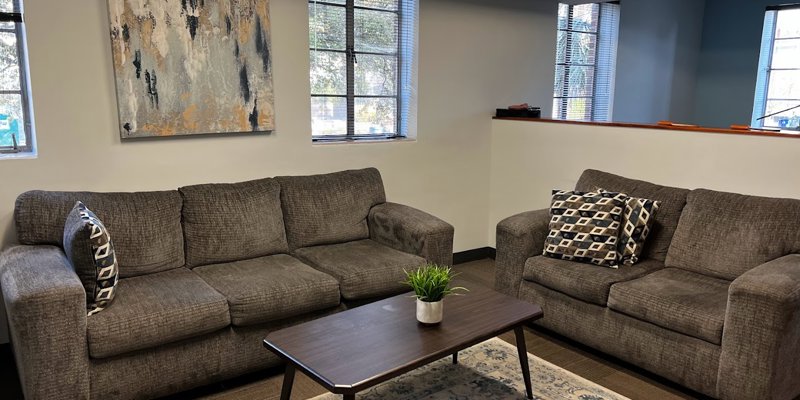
(270, 288)
(583, 281)
(682, 301)
(156, 309)
(364, 268)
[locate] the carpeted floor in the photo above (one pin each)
(489, 370)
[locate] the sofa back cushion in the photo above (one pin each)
(232, 221)
(146, 226)
(726, 234)
(329, 208)
(666, 219)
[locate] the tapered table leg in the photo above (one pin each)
(519, 333)
(288, 381)
(349, 397)
(455, 358)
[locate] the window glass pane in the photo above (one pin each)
(579, 109)
(560, 86)
(584, 17)
(375, 31)
(786, 54)
(9, 62)
(6, 5)
(788, 24)
(328, 73)
(382, 4)
(376, 75)
(584, 48)
(561, 47)
(563, 16)
(784, 85)
(789, 119)
(328, 116)
(581, 81)
(11, 120)
(376, 116)
(326, 27)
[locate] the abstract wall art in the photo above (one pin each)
(186, 67)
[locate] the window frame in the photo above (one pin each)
(403, 52)
(767, 57)
(16, 17)
(564, 97)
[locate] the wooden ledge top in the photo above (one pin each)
(676, 127)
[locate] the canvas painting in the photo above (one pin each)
(187, 67)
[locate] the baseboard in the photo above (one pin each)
(473, 255)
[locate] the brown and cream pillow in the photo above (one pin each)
(89, 248)
(637, 222)
(585, 227)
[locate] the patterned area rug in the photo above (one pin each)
(489, 370)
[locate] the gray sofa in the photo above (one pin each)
(206, 272)
(714, 305)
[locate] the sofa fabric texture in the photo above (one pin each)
(583, 281)
(364, 268)
(89, 249)
(156, 309)
(727, 234)
(49, 331)
(585, 227)
(180, 322)
(329, 208)
(270, 288)
(233, 221)
(412, 231)
(132, 219)
(683, 301)
(672, 202)
(716, 309)
(689, 361)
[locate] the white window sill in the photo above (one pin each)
(18, 156)
(361, 141)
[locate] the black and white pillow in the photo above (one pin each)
(636, 225)
(90, 250)
(585, 226)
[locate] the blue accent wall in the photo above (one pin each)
(728, 67)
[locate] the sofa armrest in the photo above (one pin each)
(760, 356)
(413, 231)
(46, 306)
(519, 237)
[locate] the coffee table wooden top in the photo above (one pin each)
(359, 348)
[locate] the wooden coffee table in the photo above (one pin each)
(362, 347)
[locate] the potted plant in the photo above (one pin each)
(431, 284)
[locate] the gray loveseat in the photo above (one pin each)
(206, 272)
(714, 305)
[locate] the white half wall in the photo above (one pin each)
(530, 159)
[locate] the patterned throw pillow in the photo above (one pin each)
(91, 252)
(584, 227)
(636, 224)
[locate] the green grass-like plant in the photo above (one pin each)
(431, 282)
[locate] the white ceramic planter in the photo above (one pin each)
(430, 312)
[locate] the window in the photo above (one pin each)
(778, 84)
(586, 55)
(16, 127)
(362, 68)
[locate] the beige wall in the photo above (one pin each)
(529, 159)
(474, 56)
